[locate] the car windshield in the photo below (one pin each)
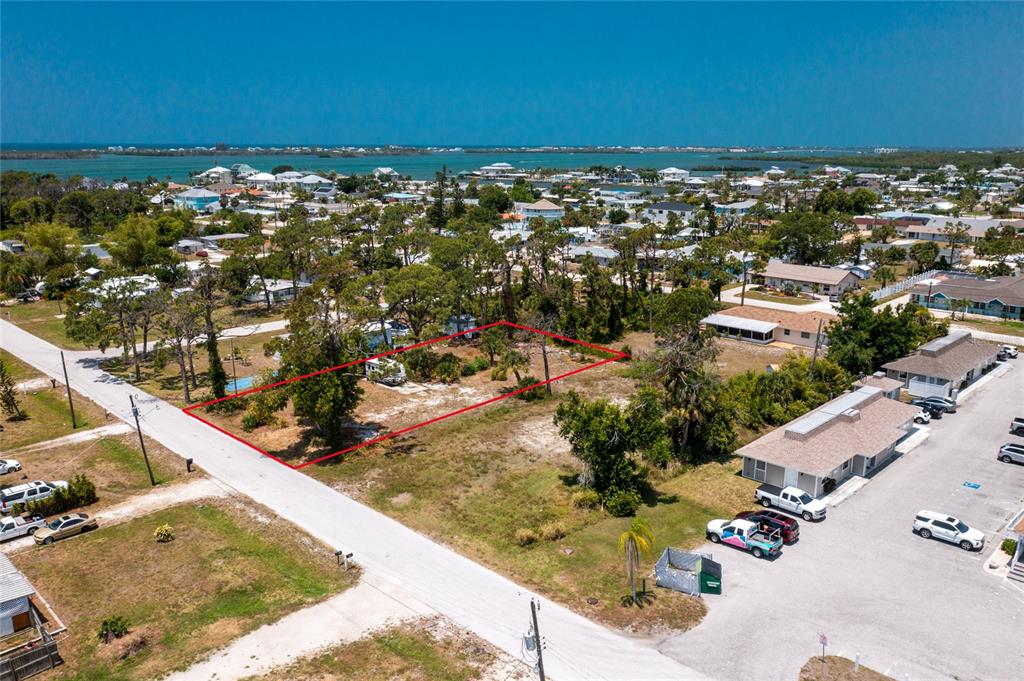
(961, 527)
(53, 525)
(805, 498)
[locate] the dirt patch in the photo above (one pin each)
(540, 436)
(401, 500)
(735, 357)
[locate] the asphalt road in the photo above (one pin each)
(913, 608)
(403, 563)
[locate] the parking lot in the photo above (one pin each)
(912, 608)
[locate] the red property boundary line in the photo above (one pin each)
(615, 356)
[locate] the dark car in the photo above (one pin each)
(944, 403)
(788, 526)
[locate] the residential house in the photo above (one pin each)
(312, 183)
(261, 180)
(386, 174)
(278, 290)
(944, 366)
(737, 208)
(198, 199)
(402, 197)
(673, 174)
(189, 246)
(832, 281)
(544, 208)
(854, 434)
(766, 325)
(215, 174)
(497, 170)
(221, 241)
(661, 211)
(1001, 297)
(15, 599)
(602, 254)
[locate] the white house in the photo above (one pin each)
(673, 174)
(662, 210)
(279, 291)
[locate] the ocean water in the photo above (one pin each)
(110, 167)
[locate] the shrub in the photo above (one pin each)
(537, 393)
(622, 502)
(79, 492)
(629, 352)
(525, 536)
(448, 368)
(164, 533)
(586, 498)
(552, 531)
(474, 366)
(1009, 546)
(112, 627)
(420, 363)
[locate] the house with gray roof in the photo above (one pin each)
(1001, 297)
(663, 210)
(854, 434)
(944, 366)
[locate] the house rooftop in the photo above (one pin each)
(797, 321)
(1007, 290)
(949, 357)
(777, 269)
(861, 422)
(13, 584)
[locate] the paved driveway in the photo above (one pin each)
(913, 608)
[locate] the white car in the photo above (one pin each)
(9, 466)
(1009, 350)
(923, 417)
(928, 524)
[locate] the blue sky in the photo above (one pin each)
(833, 74)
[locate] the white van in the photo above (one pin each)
(27, 493)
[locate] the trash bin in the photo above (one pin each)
(710, 576)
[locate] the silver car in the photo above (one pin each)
(1011, 452)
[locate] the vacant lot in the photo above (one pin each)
(384, 409)
(779, 298)
(230, 569)
(838, 669)
(429, 650)
(45, 408)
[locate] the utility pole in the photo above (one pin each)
(67, 384)
(817, 342)
(537, 639)
(142, 442)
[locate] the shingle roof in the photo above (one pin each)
(863, 422)
(815, 275)
(673, 205)
(543, 204)
(1008, 290)
(797, 321)
(949, 357)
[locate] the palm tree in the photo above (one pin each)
(511, 360)
(635, 542)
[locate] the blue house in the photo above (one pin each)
(197, 199)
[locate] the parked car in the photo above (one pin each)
(202, 254)
(1017, 426)
(792, 499)
(1011, 452)
(13, 527)
(745, 535)
(923, 416)
(928, 524)
(27, 493)
(9, 466)
(944, 403)
(1009, 350)
(65, 526)
(787, 525)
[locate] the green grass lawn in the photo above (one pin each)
(474, 480)
(1009, 327)
(405, 653)
(789, 300)
(42, 318)
(48, 417)
(18, 370)
(221, 577)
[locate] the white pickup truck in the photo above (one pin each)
(12, 527)
(792, 499)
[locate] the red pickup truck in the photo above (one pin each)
(789, 527)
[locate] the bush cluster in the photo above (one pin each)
(164, 533)
(622, 502)
(423, 364)
(1009, 546)
(586, 498)
(112, 627)
(475, 366)
(525, 536)
(79, 492)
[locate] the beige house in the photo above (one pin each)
(831, 281)
(766, 325)
(890, 387)
(854, 434)
(943, 366)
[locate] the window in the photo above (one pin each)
(805, 334)
(760, 470)
(846, 465)
(785, 332)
